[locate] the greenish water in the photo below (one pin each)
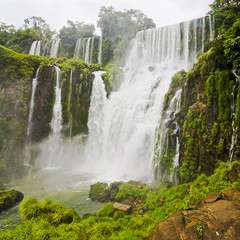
(70, 189)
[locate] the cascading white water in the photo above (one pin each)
(233, 115)
(69, 105)
(34, 86)
(87, 51)
(132, 115)
(30, 119)
(54, 48)
(100, 51)
(52, 147)
(211, 27)
(77, 49)
(33, 47)
(123, 144)
(91, 51)
(96, 116)
(38, 48)
(203, 33)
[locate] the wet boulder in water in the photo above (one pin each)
(9, 198)
(99, 192)
(151, 68)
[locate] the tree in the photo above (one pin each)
(117, 30)
(69, 35)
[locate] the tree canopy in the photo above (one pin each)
(118, 27)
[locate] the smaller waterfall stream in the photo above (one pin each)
(233, 115)
(30, 120)
(54, 48)
(87, 60)
(100, 51)
(34, 86)
(35, 48)
(52, 148)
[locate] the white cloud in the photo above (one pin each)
(57, 12)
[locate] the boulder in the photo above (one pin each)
(122, 207)
(99, 192)
(216, 217)
(9, 198)
(212, 197)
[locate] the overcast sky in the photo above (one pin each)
(57, 12)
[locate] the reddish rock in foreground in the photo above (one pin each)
(219, 219)
(122, 207)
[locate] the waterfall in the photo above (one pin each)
(87, 51)
(34, 86)
(124, 133)
(69, 105)
(37, 52)
(54, 48)
(203, 33)
(195, 39)
(91, 51)
(53, 147)
(186, 42)
(77, 48)
(96, 114)
(56, 123)
(233, 115)
(210, 26)
(100, 51)
(35, 48)
(30, 119)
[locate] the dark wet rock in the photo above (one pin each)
(215, 217)
(113, 189)
(151, 68)
(9, 198)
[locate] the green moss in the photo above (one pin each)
(106, 211)
(129, 191)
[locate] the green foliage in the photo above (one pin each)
(118, 214)
(200, 228)
(224, 91)
(106, 211)
(210, 89)
(55, 213)
(117, 30)
(20, 40)
(70, 33)
(129, 191)
(51, 220)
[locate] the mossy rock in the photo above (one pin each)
(113, 189)
(137, 184)
(9, 198)
(99, 192)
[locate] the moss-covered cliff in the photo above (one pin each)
(209, 116)
(16, 74)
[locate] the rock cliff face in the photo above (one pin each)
(215, 217)
(16, 75)
(43, 106)
(209, 117)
